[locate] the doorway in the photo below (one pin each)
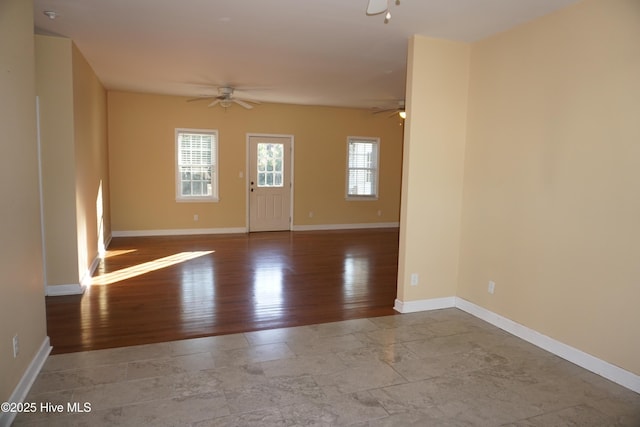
(270, 182)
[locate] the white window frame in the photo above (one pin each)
(213, 197)
(374, 169)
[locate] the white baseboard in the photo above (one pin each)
(107, 241)
(178, 232)
(86, 278)
(30, 375)
(75, 289)
(598, 366)
(70, 289)
(591, 363)
(424, 305)
(236, 230)
(345, 226)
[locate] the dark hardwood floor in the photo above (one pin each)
(155, 289)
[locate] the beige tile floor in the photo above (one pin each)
(438, 368)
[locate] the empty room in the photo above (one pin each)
(366, 213)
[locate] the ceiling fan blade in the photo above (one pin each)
(253, 101)
(243, 103)
(386, 110)
(377, 6)
(200, 98)
(400, 107)
(216, 102)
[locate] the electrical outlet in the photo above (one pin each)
(196, 217)
(492, 287)
(16, 346)
(379, 213)
(310, 214)
(414, 279)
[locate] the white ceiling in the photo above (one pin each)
(315, 52)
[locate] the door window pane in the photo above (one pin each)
(270, 161)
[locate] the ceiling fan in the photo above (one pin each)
(399, 110)
(225, 99)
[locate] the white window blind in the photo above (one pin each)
(196, 174)
(362, 167)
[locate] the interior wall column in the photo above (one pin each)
(433, 165)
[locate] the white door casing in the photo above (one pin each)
(270, 182)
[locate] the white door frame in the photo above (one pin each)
(248, 173)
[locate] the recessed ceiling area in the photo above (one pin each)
(325, 52)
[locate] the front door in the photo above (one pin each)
(269, 183)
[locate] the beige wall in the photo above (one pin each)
(551, 200)
(21, 278)
(433, 168)
(91, 160)
(142, 154)
(74, 158)
(54, 86)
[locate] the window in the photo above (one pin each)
(362, 168)
(270, 161)
(196, 165)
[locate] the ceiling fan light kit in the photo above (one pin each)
(50, 14)
(376, 7)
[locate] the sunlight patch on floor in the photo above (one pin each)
(140, 269)
(112, 253)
